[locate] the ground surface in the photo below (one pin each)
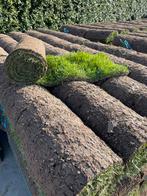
(12, 181)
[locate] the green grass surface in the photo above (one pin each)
(139, 190)
(104, 184)
(137, 163)
(111, 37)
(80, 66)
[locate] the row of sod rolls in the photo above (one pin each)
(61, 156)
(28, 64)
(130, 139)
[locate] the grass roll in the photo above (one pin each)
(62, 156)
(121, 88)
(7, 43)
(137, 43)
(27, 62)
(91, 34)
(137, 71)
(49, 48)
(57, 42)
(3, 52)
(120, 127)
(132, 55)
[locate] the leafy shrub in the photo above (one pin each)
(26, 14)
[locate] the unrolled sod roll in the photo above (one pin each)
(27, 62)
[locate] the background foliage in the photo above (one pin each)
(26, 14)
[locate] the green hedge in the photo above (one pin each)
(26, 14)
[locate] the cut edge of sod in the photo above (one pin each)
(80, 66)
(25, 66)
(108, 182)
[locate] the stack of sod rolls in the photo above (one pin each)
(28, 64)
(40, 128)
(61, 156)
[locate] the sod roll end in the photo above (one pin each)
(27, 62)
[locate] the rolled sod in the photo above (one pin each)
(137, 71)
(140, 58)
(27, 63)
(132, 55)
(128, 91)
(117, 25)
(137, 43)
(49, 48)
(57, 42)
(120, 127)
(61, 154)
(91, 26)
(61, 69)
(138, 34)
(131, 27)
(3, 52)
(7, 43)
(91, 34)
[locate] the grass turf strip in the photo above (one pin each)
(80, 66)
(140, 190)
(104, 184)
